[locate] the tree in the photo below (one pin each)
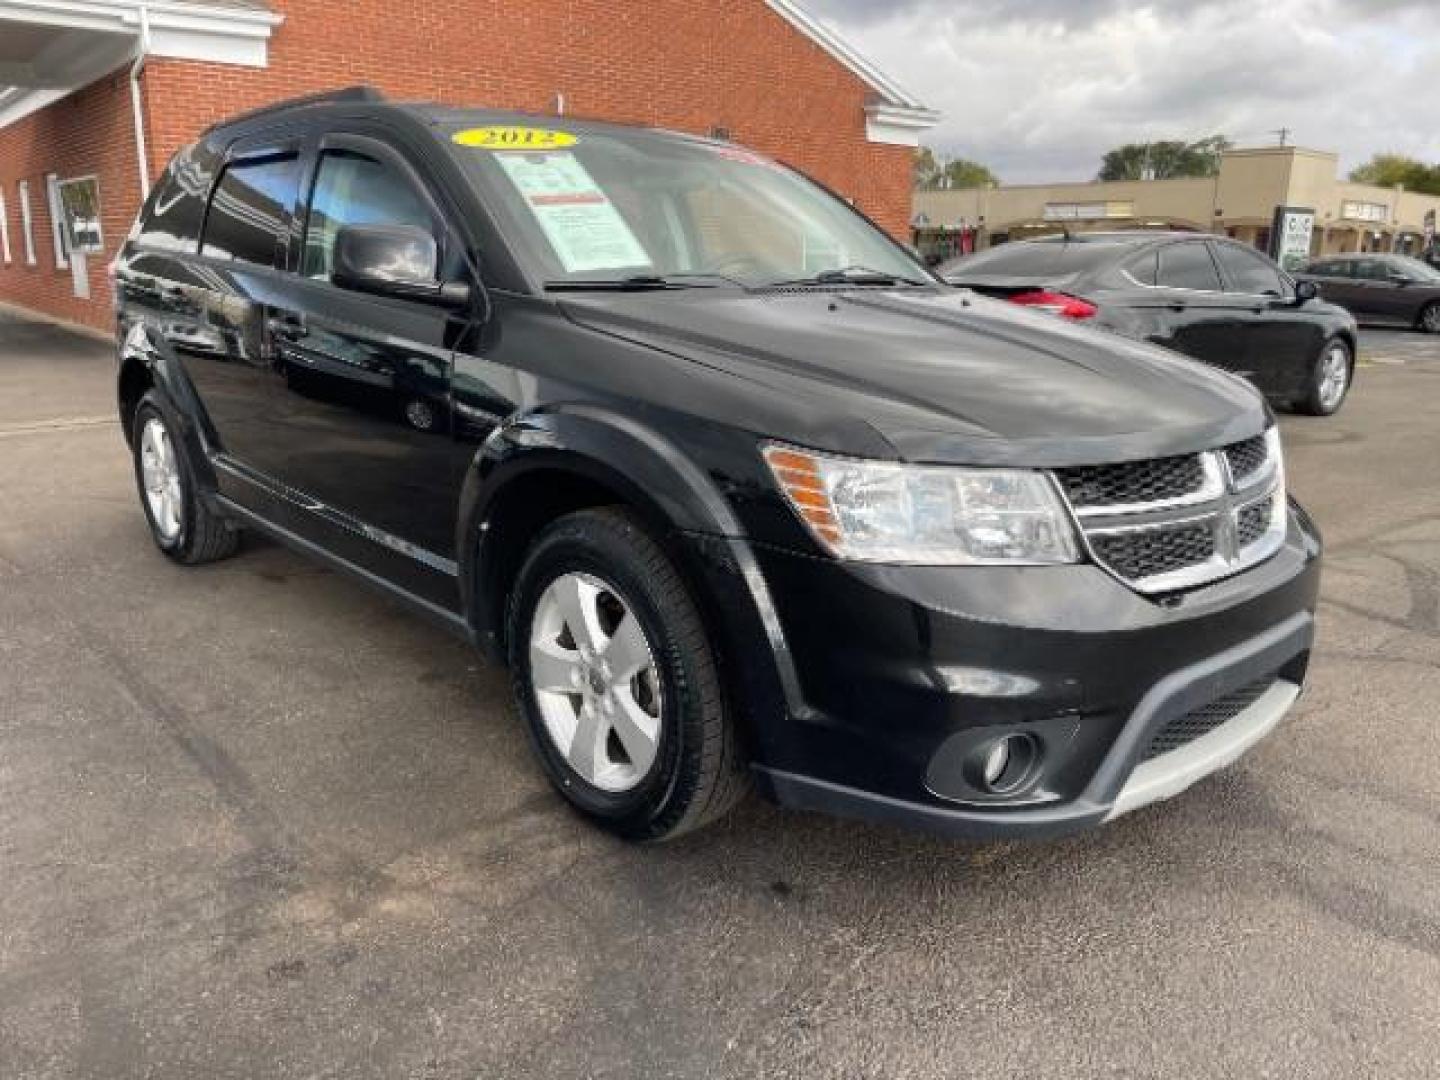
(1164, 160)
(933, 172)
(1387, 170)
(927, 169)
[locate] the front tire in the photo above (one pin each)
(617, 681)
(181, 524)
(1429, 319)
(1330, 378)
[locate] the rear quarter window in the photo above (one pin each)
(171, 218)
(1189, 266)
(1144, 267)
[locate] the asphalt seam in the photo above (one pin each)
(48, 427)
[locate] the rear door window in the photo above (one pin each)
(1248, 273)
(250, 209)
(1188, 266)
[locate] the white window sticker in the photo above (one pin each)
(581, 223)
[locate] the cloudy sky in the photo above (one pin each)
(1039, 89)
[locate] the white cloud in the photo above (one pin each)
(1040, 89)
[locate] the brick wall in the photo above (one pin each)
(693, 65)
(90, 131)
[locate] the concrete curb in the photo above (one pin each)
(8, 308)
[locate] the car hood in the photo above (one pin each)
(943, 375)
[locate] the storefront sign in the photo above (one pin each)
(1351, 210)
(1090, 211)
(1290, 235)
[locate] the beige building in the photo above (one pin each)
(1240, 201)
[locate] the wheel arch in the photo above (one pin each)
(536, 468)
(148, 363)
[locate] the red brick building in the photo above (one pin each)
(95, 95)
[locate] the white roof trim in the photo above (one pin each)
(103, 34)
(124, 15)
(895, 108)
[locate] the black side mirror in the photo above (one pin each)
(1306, 291)
(1400, 279)
(393, 260)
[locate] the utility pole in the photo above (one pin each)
(1284, 134)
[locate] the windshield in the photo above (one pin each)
(1416, 269)
(615, 206)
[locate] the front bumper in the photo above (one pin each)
(899, 674)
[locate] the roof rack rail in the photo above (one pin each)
(325, 97)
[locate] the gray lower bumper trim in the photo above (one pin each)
(1171, 773)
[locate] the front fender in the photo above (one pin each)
(141, 347)
(604, 447)
(675, 496)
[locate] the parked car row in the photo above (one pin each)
(739, 492)
(1393, 290)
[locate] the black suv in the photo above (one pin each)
(737, 489)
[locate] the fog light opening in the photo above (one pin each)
(995, 762)
(1007, 764)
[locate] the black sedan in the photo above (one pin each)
(1392, 289)
(1205, 296)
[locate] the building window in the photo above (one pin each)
(4, 229)
(80, 212)
(27, 223)
(57, 222)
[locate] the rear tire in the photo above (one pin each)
(181, 523)
(1330, 377)
(646, 748)
(1429, 318)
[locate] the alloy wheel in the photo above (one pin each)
(1334, 376)
(160, 471)
(596, 682)
(1430, 319)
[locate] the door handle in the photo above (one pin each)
(288, 327)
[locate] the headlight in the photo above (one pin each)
(876, 511)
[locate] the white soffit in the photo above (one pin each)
(49, 48)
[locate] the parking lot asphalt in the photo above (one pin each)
(256, 821)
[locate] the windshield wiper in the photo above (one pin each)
(642, 282)
(851, 275)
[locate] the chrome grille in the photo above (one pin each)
(1133, 481)
(1246, 457)
(1177, 522)
(1145, 553)
(1253, 521)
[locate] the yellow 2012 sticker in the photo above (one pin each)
(513, 138)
